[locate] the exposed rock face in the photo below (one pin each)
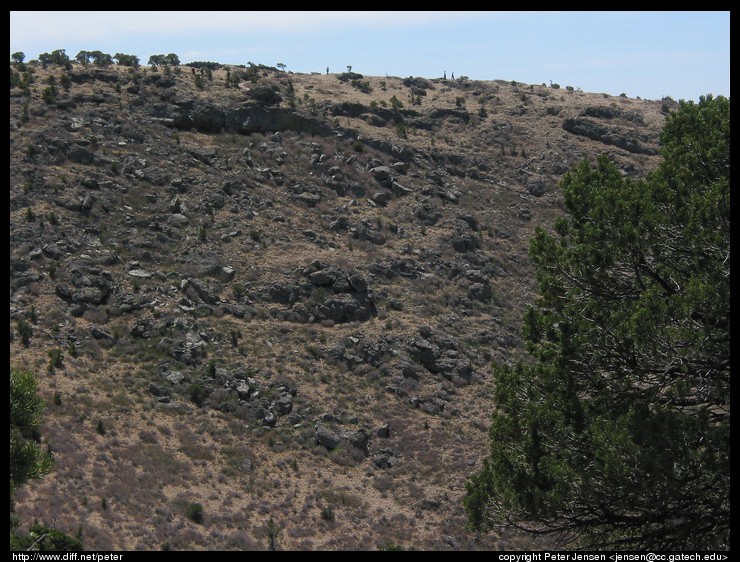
(628, 140)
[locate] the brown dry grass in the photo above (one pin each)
(156, 458)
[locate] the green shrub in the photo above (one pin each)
(396, 103)
(49, 95)
(45, 538)
(56, 356)
(194, 512)
(25, 331)
(327, 514)
(198, 394)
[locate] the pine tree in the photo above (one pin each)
(617, 433)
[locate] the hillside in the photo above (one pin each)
(280, 296)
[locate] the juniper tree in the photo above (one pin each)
(616, 434)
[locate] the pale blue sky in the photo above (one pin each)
(681, 54)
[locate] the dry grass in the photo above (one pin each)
(154, 457)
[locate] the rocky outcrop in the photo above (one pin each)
(210, 118)
(629, 140)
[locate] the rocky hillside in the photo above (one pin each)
(267, 305)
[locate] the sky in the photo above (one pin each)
(646, 54)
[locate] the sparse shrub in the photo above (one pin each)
(56, 357)
(25, 331)
(57, 399)
(555, 86)
(238, 291)
(396, 103)
(459, 101)
(194, 512)
(327, 514)
(318, 295)
(401, 130)
(101, 429)
(65, 81)
(273, 532)
(198, 394)
(265, 95)
(49, 95)
(43, 538)
(363, 87)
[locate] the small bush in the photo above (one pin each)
(55, 359)
(194, 512)
(25, 331)
(49, 95)
(198, 394)
(396, 103)
(265, 95)
(327, 514)
(45, 538)
(363, 87)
